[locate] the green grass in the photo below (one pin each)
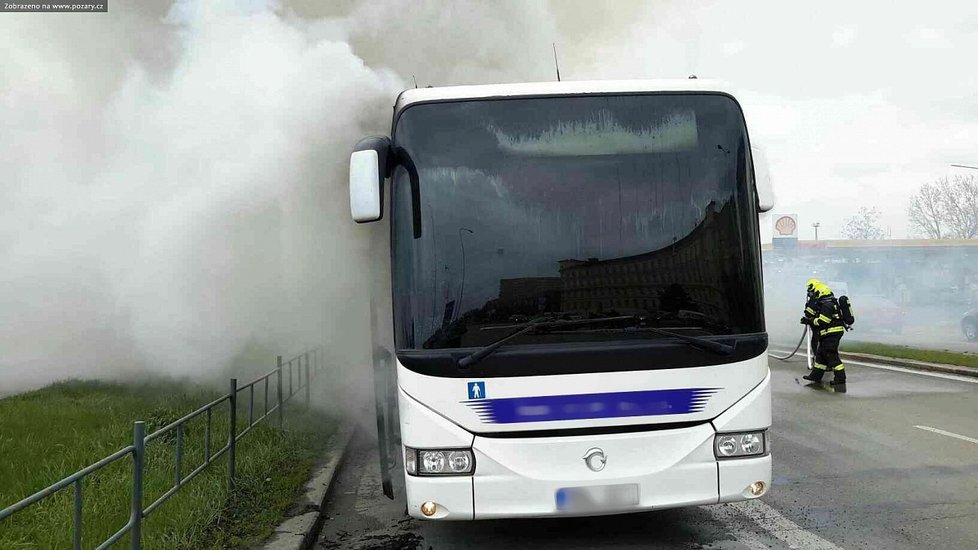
(904, 352)
(50, 433)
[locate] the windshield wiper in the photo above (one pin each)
(695, 341)
(482, 353)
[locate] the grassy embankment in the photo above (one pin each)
(916, 354)
(50, 433)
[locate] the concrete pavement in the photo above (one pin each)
(893, 463)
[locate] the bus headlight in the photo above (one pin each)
(460, 462)
(739, 445)
(438, 462)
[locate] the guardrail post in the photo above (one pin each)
(232, 430)
(178, 455)
(307, 379)
(278, 391)
(136, 513)
(207, 437)
(251, 405)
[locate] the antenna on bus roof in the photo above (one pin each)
(415, 81)
(556, 65)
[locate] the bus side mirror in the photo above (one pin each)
(368, 169)
(762, 180)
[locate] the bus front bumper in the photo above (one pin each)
(552, 476)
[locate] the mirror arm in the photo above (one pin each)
(404, 159)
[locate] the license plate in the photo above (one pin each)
(596, 498)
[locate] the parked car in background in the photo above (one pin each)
(969, 325)
(876, 312)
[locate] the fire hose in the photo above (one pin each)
(798, 347)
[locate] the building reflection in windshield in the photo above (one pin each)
(687, 284)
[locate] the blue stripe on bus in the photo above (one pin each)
(588, 406)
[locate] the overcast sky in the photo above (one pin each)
(858, 103)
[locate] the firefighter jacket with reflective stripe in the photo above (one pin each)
(828, 319)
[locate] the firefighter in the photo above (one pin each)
(829, 327)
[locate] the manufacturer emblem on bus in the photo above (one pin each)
(595, 459)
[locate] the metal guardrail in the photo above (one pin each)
(302, 368)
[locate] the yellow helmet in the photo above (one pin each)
(812, 284)
(822, 290)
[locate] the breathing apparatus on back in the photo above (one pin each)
(841, 304)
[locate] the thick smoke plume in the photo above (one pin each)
(174, 173)
(165, 210)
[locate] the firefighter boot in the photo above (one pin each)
(838, 378)
(815, 375)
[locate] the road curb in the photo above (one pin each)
(911, 364)
(298, 531)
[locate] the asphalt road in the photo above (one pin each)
(876, 467)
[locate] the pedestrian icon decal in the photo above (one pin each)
(477, 390)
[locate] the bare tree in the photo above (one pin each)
(864, 225)
(946, 209)
(963, 207)
(926, 212)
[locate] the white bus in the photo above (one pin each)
(573, 317)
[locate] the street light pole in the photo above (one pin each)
(816, 226)
(461, 286)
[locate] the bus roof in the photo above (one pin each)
(583, 87)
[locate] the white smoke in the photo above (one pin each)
(174, 174)
(165, 222)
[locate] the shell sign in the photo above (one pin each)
(786, 226)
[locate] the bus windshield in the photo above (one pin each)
(572, 208)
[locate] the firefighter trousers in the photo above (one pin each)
(827, 353)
